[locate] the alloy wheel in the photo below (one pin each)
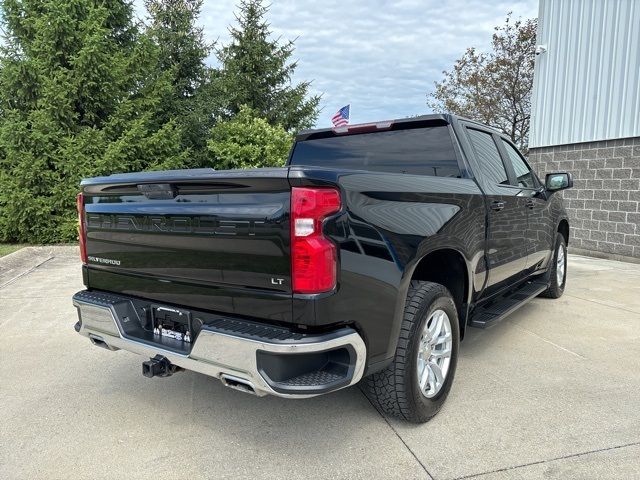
(561, 265)
(434, 353)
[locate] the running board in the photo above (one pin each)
(499, 308)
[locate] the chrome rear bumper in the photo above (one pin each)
(240, 360)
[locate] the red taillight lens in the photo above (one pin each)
(82, 228)
(313, 256)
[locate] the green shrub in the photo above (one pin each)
(248, 141)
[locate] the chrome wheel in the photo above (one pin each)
(434, 353)
(561, 265)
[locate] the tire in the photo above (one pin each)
(396, 390)
(556, 287)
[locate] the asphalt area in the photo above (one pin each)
(553, 392)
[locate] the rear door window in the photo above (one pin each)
(418, 151)
(488, 156)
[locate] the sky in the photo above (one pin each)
(380, 56)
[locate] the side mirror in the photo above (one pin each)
(558, 181)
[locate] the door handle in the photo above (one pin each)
(497, 205)
(530, 204)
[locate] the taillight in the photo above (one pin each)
(82, 229)
(313, 256)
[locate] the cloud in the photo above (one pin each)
(382, 56)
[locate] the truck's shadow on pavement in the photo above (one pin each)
(203, 403)
(203, 406)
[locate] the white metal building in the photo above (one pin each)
(586, 118)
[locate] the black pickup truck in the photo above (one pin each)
(363, 260)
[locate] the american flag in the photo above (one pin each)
(341, 118)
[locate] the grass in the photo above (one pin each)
(7, 248)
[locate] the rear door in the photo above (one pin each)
(217, 241)
(507, 226)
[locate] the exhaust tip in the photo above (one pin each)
(237, 383)
(99, 342)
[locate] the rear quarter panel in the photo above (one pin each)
(388, 224)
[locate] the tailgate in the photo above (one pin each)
(203, 239)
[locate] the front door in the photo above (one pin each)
(540, 233)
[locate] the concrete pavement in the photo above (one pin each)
(552, 392)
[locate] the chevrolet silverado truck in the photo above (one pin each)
(363, 260)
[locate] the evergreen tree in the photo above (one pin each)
(257, 72)
(182, 44)
(183, 51)
(80, 95)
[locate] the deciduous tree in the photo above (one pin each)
(494, 87)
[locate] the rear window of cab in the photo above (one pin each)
(416, 151)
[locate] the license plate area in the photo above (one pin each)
(171, 324)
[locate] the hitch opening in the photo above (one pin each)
(159, 366)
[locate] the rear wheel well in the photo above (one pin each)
(446, 267)
(563, 228)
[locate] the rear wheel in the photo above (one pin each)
(415, 386)
(558, 270)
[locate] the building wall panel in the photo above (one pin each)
(587, 83)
